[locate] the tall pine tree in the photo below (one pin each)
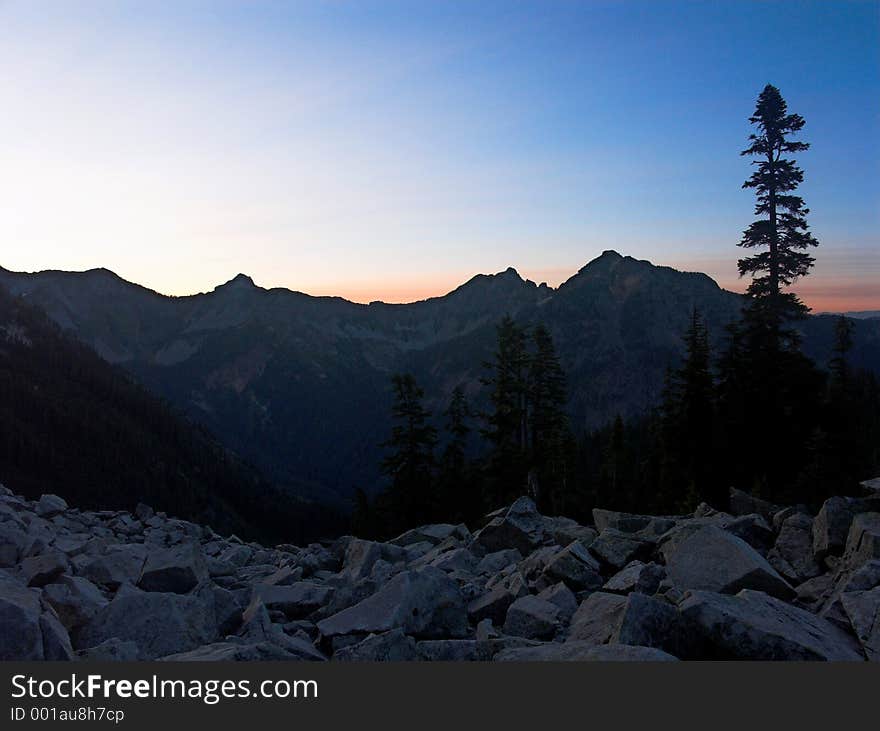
(410, 462)
(507, 419)
(548, 424)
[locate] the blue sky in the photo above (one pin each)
(391, 150)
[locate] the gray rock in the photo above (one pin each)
(792, 554)
(565, 530)
(532, 618)
(433, 534)
(492, 605)
(520, 527)
(616, 548)
(231, 651)
(596, 619)
(583, 652)
(361, 555)
(13, 541)
(575, 566)
(458, 559)
(493, 563)
(425, 604)
(21, 636)
(563, 597)
(391, 646)
(452, 650)
(120, 564)
(75, 600)
(715, 560)
(863, 540)
(644, 526)
(177, 569)
(755, 626)
(742, 503)
(49, 505)
(637, 576)
(187, 621)
(863, 610)
(45, 568)
(831, 527)
(111, 650)
(56, 641)
(297, 601)
(649, 622)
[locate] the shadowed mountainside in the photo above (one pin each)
(299, 384)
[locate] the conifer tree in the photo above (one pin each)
(410, 463)
(507, 419)
(781, 231)
(548, 422)
(458, 494)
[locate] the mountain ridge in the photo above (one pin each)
(299, 384)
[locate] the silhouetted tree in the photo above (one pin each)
(507, 419)
(781, 229)
(689, 472)
(460, 496)
(410, 463)
(548, 423)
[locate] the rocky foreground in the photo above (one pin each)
(763, 582)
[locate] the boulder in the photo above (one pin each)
(863, 540)
(493, 563)
(645, 526)
(616, 548)
(452, 650)
(637, 576)
(75, 600)
(433, 534)
(792, 554)
(596, 619)
(583, 652)
(298, 600)
(755, 626)
(563, 597)
(425, 603)
(831, 526)
(391, 646)
(715, 560)
(492, 605)
(112, 650)
(177, 569)
(458, 559)
(520, 527)
(49, 505)
(56, 641)
(566, 530)
(361, 555)
(13, 541)
(119, 564)
(575, 566)
(649, 622)
(863, 610)
(232, 651)
(21, 636)
(532, 618)
(159, 623)
(742, 503)
(45, 568)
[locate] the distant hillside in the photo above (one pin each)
(299, 385)
(76, 423)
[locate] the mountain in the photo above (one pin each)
(74, 421)
(299, 385)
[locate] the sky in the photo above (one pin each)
(392, 150)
